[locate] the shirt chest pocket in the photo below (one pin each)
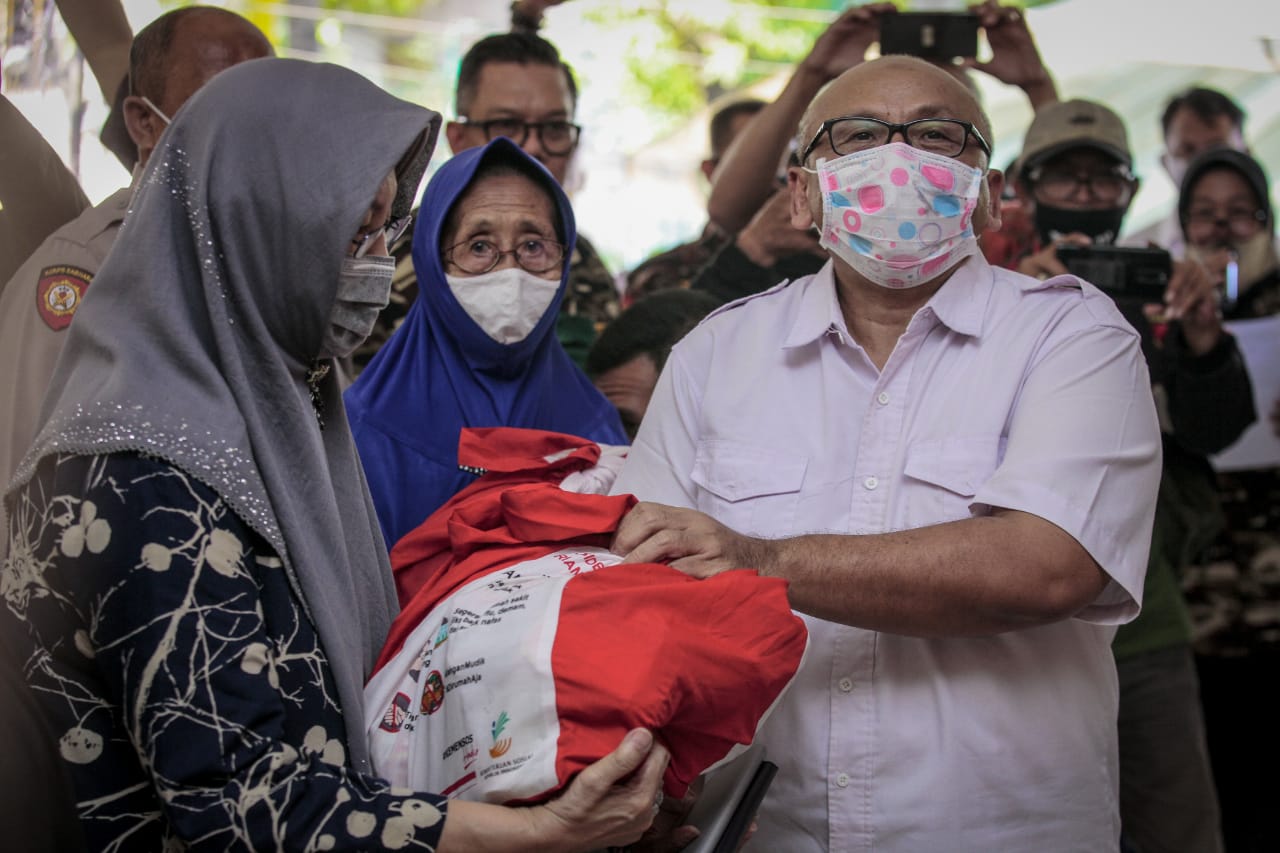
(943, 476)
(750, 488)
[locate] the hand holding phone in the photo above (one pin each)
(1015, 60)
(844, 44)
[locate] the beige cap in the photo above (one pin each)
(1074, 124)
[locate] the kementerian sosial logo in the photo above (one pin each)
(500, 744)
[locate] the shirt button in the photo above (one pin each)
(883, 398)
(870, 483)
(846, 685)
(842, 780)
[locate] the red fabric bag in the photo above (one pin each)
(525, 652)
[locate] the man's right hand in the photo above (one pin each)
(688, 540)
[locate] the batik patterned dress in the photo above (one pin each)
(175, 659)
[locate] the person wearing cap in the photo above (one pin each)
(1074, 178)
(1233, 588)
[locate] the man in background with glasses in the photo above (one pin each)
(953, 465)
(516, 85)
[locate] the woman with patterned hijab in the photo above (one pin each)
(491, 251)
(196, 584)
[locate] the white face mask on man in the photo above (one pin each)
(506, 303)
(364, 288)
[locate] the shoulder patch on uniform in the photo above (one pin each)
(59, 292)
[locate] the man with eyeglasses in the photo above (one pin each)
(516, 85)
(954, 466)
(1194, 121)
(171, 58)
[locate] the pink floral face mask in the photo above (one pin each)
(898, 215)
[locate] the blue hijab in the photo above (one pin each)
(441, 372)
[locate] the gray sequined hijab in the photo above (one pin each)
(194, 342)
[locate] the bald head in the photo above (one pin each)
(176, 54)
(896, 89)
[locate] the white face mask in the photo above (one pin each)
(506, 303)
(897, 215)
(364, 288)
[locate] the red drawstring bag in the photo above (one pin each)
(525, 652)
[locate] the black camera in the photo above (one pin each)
(939, 36)
(1124, 274)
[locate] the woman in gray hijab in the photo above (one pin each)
(196, 584)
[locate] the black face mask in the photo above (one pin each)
(1101, 226)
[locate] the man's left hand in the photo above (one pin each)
(685, 539)
(1192, 300)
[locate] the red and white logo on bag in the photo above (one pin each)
(433, 693)
(394, 718)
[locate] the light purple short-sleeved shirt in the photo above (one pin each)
(1004, 391)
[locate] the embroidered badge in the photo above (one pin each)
(59, 292)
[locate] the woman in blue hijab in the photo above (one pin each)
(491, 252)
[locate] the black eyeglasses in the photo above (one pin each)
(476, 257)
(849, 134)
(1059, 185)
(393, 230)
(558, 137)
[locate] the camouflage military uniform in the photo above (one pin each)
(674, 268)
(590, 303)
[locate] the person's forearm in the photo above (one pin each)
(744, 179)
(473, 827)
(1210, 396)
(102, 33)
(1041, 92)
(974, 577)
(731, 274)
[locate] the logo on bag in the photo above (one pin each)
(500, 746)
(433, 693)
(394, 718)
(469, 757)
(442, 634)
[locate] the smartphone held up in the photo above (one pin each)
(935, 36)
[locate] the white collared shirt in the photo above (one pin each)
(1004, 391)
